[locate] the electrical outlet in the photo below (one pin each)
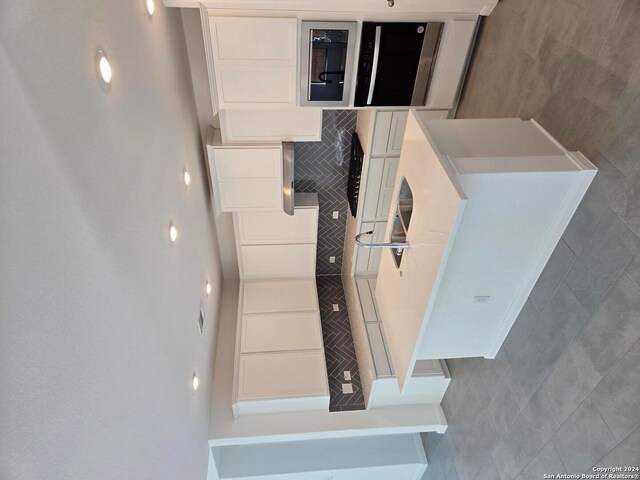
(481, 298)
(347, 388)
(347, 375)
(336, 307)
(336, 215)
(332, 259)
(201, 318)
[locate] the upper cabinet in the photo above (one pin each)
(254, 61)
(245, 177)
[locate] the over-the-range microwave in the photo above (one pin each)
(326, 63)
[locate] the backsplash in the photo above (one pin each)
(323, 167)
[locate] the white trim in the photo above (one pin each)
(206, 34)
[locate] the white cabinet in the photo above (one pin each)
(279, 360)
(388, 133)
(301, 124)
(254, 61)
(257, 228)
(281, 331)
(289, 295)
(269, 261)
(378, 194)
(282, 382)
(276, 245)
(245, 178)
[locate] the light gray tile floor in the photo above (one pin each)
(563, 394)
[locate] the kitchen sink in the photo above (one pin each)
(401, 220)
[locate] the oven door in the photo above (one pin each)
(326, 59)
(396, 63)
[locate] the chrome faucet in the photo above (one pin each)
(396, 246)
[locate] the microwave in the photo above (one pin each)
(326, 63)
(396, 63)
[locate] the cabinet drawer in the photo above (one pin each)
(250, 195)
(244, 163)
(264, 261)
(280, 296)
(282, 374)
(278, 227)
(280, 332)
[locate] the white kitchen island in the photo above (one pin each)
(491, 199)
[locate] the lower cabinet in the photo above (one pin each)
(279, 361)
(282, 382)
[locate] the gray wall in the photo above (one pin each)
(563, 394)
(97, 313)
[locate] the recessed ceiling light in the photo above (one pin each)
(150, 7)
(104, 68)
(187, 177)
(195, 382)
(173, 233)
(208, 288)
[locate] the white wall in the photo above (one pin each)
(98, 331)
(201, 89)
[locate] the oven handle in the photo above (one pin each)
(426, 63)
(374, 68)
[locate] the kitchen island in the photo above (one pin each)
(490, 199)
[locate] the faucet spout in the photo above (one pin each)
(397, 246)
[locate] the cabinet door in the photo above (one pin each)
(254, 61)
(251, 195)
(254, 40)
(275, 227)
(291, 295)
(275, 332)
(265, 261)
(282, 374)
(381, 133)
(303, 124)
(396, 134)
(247, 178)
(248, 163)
(385, 197)
(375, 171)
(258, 86)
